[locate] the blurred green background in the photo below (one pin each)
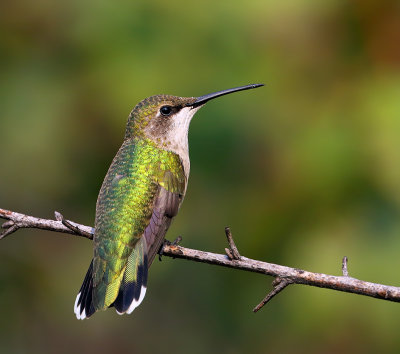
(304, 171)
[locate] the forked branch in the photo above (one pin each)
(284, 276)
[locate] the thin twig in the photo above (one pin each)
(8, 230)
(26, 221)
(73, 226)
(177, 241)
(344, 267)
(232, 251)
(288, 274)
(279, 284)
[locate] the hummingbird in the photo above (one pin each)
(140, 195)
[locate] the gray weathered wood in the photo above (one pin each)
(284, 275)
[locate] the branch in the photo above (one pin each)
(20, 221)
(284, 276)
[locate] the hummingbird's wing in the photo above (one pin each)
(169, 197)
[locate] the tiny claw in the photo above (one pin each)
(161, 250)
(168, 243)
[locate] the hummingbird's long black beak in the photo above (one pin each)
(203, 99)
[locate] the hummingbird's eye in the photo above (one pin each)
(166, 110)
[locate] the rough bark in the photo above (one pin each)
(283, 275)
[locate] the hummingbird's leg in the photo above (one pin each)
(168, 243)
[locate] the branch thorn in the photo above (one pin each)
(76, 229)
(344, 266)
(9, 229)
(177, 241)
(8, 224)
(232, 252)
(58, 216)
(279, 284)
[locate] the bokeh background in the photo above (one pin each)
(304, 171)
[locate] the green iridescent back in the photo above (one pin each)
(124, 208)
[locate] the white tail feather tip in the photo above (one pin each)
(135, 303)
(76, 307)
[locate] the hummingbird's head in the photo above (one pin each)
(165, 119)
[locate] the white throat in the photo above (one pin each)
(177, 135)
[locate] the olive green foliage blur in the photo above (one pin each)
(304, 170)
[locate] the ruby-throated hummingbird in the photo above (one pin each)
(141, 193)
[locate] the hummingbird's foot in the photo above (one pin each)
(161, 250)
(168, 243)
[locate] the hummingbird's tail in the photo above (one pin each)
(83, 307)
(129, 293)
(134, 282)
